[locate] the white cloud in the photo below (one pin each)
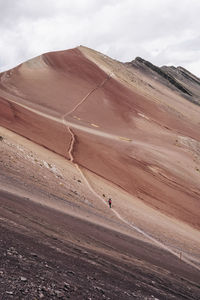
(164, 32)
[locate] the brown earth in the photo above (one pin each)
(113, 130)
(58, 242)
(156, 147)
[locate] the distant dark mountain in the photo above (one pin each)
(178, 79)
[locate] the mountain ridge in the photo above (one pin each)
(129, 110)
(76, 129)
(179, 78)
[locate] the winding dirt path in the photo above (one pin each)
(59, 119)
(91, 92)
(70, 152)
(69, 125)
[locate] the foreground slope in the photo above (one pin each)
(59, 242)
(119, 121)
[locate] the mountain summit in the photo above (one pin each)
(134, 124)
(99, 172)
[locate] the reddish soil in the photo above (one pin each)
(36, 95)
(52, 85)
(49, 250)
(118, 133)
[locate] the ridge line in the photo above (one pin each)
(70, 152)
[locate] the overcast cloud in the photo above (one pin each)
(165, 32)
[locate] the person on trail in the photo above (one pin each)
(110, 202)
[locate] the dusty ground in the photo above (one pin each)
(116, 121)
(59, 242)
(46, 254)
(121, 134)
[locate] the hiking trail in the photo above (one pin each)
(134, 227)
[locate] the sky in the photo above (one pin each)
(164, 32)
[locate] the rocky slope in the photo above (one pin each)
(131, 122)
(78, 127)
(178, 79)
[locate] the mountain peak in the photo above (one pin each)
(89, 128)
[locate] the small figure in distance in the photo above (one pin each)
(110, 202)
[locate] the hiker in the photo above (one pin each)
(110, 202)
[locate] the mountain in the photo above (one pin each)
(129, 131)
(132, 123)
(178, 79)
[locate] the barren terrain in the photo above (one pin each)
(76, 129)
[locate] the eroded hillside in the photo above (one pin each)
(128, 123)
